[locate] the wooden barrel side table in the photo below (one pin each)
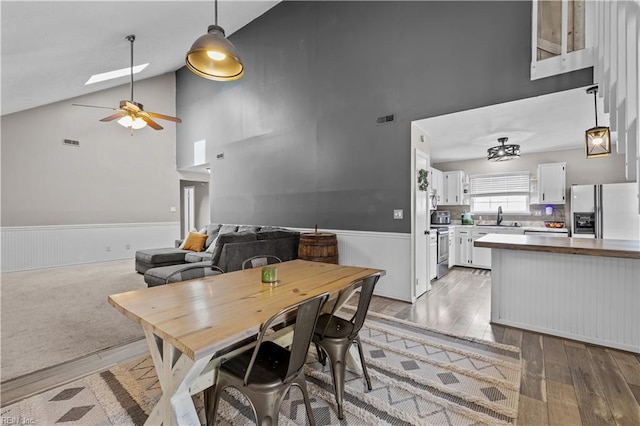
(318, 247)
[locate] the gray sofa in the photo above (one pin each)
(227, 246)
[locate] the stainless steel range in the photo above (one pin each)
(440, 221)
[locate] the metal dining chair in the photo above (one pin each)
(260, 260)
(265, 374)
(334, 335)
(193, 272)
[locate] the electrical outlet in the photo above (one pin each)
(398, 214)
(127, 246)
(108, 248)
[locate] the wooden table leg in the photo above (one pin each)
(176, 373)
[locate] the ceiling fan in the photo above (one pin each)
(131, 114)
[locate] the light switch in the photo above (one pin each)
(173, 209)
(398, 214)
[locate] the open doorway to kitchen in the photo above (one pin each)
(194, 205)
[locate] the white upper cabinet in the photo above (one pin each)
(437, 184)
(552, 185)
(454, 187)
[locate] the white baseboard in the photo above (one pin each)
(390, 251)
(36, 247)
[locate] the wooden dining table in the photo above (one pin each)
(189, 324)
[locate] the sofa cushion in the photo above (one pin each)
(194, 241)
(161, 255)
(212, 232)
(273, 232)
(224, 229)
(235, 237)
(248, 228)
(194, 257)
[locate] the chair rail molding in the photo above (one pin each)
(36, 247)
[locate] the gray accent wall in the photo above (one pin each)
(298, 132)
(112, 177)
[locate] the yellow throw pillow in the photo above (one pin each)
(194, 241)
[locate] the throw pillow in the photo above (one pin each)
(194, 241)
(181, 246)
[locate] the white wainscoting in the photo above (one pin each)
(36, 247)
(390, 251)
(588, 298)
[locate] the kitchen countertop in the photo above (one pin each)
(524, 228)
(583, 246)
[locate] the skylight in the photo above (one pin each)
(110, 75)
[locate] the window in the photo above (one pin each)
(507, 190)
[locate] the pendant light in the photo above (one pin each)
(597, 140)
(213, 57)
(503, 152)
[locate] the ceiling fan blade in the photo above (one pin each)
(94, 106)
(164, 117)
(114, 116)
(151, 123)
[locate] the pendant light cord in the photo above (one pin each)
(216, 13)
(595, 105)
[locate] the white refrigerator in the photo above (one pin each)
(605, 211)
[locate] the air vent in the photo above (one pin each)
(70, 142)
(220, 156)
(385, 119)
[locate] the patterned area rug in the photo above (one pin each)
(419, 377)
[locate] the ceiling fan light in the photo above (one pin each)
(135, 124)
(597, 142)
(213, 57)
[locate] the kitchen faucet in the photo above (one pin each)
(499, 219)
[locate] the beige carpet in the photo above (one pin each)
(419, 377)
(50, 316)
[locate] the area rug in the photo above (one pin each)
(420, 376)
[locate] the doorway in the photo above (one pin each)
(194, 205)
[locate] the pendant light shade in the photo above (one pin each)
(213, 57)
(503, 152)
(597, 140)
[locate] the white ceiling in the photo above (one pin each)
(544, 123)
(51, 48)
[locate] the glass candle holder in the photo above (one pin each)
(270, 274)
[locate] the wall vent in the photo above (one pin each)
(220, 156)
(385, 119)
(70, 142)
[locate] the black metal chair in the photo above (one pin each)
(260, 260)
(265, 374)
(334, 335)
(193, 272)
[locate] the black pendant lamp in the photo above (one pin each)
(213, 57)
(503, 152)
(597, 140)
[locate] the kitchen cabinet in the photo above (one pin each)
(452, 246)
(437, 184)
(480, 256)
(454, 188)
(463, 252)
(433, 255)
(552, 183)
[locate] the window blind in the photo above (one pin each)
(499, 183)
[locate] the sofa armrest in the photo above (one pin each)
(178, 243)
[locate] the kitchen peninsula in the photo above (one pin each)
(582, 289)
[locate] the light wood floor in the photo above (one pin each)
(563, 383)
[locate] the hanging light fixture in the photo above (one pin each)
(503, 152)
(213, 57)
(597, 140)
